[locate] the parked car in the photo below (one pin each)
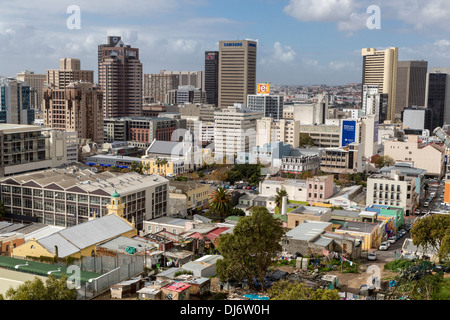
(372, 256)
(392, 239)
(248, 188)
(426, 204)
(384, 246)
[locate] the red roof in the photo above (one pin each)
(211, 235)
(177, 286)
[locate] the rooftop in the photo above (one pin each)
(317, 211)
(81, 180)
(169, 220)
(308, 230)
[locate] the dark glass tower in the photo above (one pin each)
(212, 77)
(437, 86)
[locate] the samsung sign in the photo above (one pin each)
(348, 132)
(232, 44)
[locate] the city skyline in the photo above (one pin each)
(299, 41)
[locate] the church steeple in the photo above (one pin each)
(116, 206)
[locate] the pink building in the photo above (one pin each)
(319, 188)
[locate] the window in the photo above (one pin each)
(149, 228)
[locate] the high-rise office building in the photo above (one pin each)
(120, 77)
(234, 132)
(374, 102)
(69, 71)
(156, 86)
(271, 105)
(380, 68)
(35, 81)
(411, 81)
(212, 77)
(237, 71)
(188, 78)
(437, 96)
(15, 102)
(75, 108)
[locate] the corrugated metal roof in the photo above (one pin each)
(96, 231)
(308, 230)
(65, 248)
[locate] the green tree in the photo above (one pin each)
(237, 212)
(52, 289)
(234, 176)
(432, 232)
(384, 161)
(251, 249)
(219, 204)
(306, 140)
(286, 290)
(162, 162)
(136, 167)
(279, 199)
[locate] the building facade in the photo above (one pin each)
(15, 102)
(235, 131)
(271, 105)
(69, 71)
(237, 71)
(120, 77)
(269, 130)
(70, 196)
(75, 108)
(212, 77)
(380, 68)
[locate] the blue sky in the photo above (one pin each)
(299, 41)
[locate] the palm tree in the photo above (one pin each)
(219, 203)
(279, 199)
(162, 162)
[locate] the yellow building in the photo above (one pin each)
(80, 240)
(191, 196)
(367, 232)
(172, 167)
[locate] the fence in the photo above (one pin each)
(99, 285)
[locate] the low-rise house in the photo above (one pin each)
(194, 197)
(317, 238)
(319, 188)
(175, 291)
(9, 241)
(346, 197)
(173, 225)
(204, 266)
(367, 232)
(303, 213)
(151, 292)
(296, 189)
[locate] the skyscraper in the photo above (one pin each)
(15, 107)
(120, 77)
(156, 86)
(237, 71)
(75, 108)
(438, 96)
(380, 68)
(69, 71)
(411, 81)
(35, 81)
(212, 77)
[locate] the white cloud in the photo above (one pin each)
(320, 10)
(283, 53)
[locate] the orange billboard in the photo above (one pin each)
(263, 88)
(447, 192)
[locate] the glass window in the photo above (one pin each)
(59, 195)
(71, 197)
(82, 198)
(37, 192)
(48, 194)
